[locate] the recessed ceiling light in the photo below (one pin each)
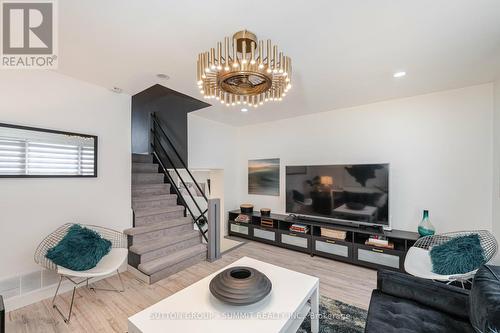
(244, 110)
(163, 76)
(117, 90)
(399, 74)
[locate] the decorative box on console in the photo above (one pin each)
(266, 222)
(265, 212)
(246, 208)
(332, 233)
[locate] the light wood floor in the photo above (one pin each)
(106, 311)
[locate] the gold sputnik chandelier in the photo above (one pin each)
(244, 71)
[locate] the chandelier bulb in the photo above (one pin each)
(252, 62)
(261, 66)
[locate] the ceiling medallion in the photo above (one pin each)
(244, 71)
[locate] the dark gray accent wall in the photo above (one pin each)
(172, 108)
(141, 122)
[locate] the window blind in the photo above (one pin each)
(12, 156)
(35, 157)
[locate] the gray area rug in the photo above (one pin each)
(337, 317)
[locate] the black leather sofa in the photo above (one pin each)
(403, 303)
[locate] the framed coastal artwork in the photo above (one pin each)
(264, 176)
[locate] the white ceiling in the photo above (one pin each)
(344, 52)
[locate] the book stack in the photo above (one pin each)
(379, 241)
(300, 228)
(242, 218)
(332, 233)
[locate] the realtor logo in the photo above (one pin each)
(28, 34)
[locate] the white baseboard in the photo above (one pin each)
(38, 295)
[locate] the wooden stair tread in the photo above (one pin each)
(141, 212)
(156, 265)
(153, 197)
(150, 186)
(158, 226)
(164, 242)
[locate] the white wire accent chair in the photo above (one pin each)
(418, 261)
(109, 264)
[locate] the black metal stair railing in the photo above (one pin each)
(165, 160)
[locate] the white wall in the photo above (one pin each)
(439, 147)
(32, 208)
(212, 145)
(496, 166)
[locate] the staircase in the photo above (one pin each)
(163, 240)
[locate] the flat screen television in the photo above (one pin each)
(356, 193)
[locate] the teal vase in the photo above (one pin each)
(425, 228)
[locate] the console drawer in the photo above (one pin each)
(264, 234)
(379, 257)
(239, 229)
(294, 240)
(332, 248)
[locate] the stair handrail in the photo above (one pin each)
(155, 120)
(177, 191)
(176, 171)
(157, 140)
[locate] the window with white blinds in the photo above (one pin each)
(38, 153)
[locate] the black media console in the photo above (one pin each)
(352, 249)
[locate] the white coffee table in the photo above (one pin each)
(194, 309)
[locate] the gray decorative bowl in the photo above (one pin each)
(240, 286)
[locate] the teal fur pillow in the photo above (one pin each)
(81, 249)
(459, 255)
